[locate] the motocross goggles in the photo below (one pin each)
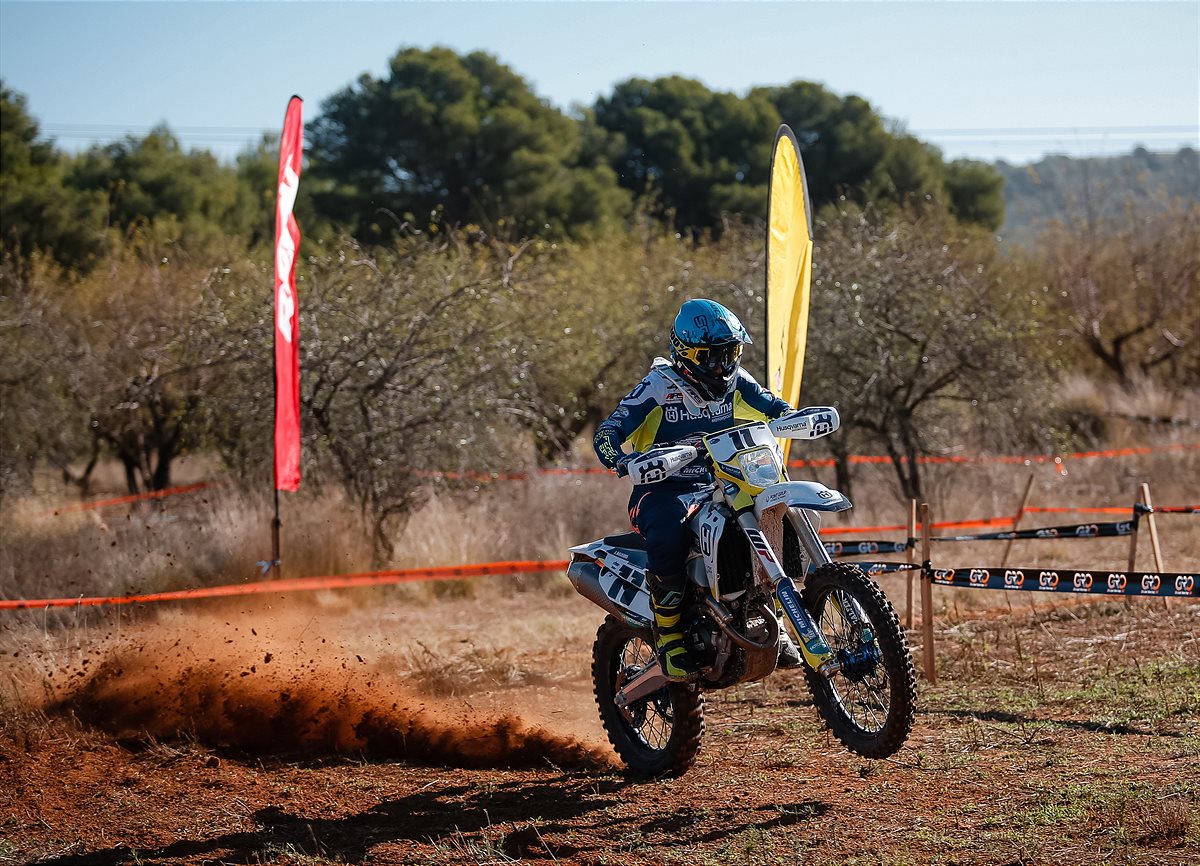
(709, 360)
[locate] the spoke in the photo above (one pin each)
(876, 724)
(864, 700)
(654, 729)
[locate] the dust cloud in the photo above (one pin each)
(238, 683)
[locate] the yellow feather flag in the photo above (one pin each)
(789, 269)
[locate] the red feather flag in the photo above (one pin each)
(287, 321)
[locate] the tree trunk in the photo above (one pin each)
(131, 475)
(838, 447)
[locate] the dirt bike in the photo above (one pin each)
(754, 538)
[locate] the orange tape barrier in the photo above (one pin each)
(1157, 509)
(1036, 458)
(133, 497)
(945, 524)
(298, 584)
(1046, 509)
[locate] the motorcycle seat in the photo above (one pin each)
(629, 541)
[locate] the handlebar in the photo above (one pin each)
(662, 461)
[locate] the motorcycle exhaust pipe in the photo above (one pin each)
(723, 617)
(584, 575)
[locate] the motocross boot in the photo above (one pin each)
(789, 653)
(666, 596)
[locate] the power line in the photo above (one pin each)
(1019, 140)
(1036, 131)
(99, 128)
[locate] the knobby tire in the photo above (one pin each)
(896, 663)
(686, 704)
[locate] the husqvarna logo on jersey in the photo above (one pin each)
(676, 412)
(1117, 582)
(1081, 582)
(1047, 580)
(1151, 583)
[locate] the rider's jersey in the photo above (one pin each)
(657, 411)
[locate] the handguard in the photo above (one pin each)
(659, 464)
(812, 422)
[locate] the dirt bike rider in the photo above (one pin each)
(701, 390)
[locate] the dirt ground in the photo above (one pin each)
(462, 731)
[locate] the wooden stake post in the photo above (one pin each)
(927, 597)
(1149, 503)
(1158, 560)
(1145, 499)
(1015, 526)
(1017, 519)
(912, 556)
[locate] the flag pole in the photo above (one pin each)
(275, 565)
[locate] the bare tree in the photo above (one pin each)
(136, 353)
(912, 334)
(1131, 289)
(410, 366)
(23, 308)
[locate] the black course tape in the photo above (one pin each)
(886, 567)
(866, 548)
(1075, 530)
(1176, 585)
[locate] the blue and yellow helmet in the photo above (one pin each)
(706, 346)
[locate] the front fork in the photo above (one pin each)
(813, 645)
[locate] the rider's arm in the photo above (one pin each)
(752, 402)
(636, 418)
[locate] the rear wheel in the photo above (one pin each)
(659, 735)
(870, 703)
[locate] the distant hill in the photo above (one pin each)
(1059, 187)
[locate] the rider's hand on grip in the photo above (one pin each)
(622, 467)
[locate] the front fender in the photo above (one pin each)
(800, 494)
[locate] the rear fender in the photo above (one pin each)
(614, 579)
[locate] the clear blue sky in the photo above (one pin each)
(1011, 80)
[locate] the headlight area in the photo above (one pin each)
(759, 467)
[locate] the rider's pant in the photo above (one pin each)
(660, 517)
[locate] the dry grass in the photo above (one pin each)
(465, 671)
(1146, 399)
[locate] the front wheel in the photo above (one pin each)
(870, 703)
(657, 736)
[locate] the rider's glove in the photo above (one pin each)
(622, 467)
